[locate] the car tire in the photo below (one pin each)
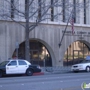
(29, 72)
(0, 73)
(88, 69)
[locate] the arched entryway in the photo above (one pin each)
(39, 54)
(76, 52)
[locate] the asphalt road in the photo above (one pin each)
(67, 81)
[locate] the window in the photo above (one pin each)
(39, 9)
(63, 10)
(74, 10)
(84, 11)
(12, 63)
(25, 8)
(52, 11)
(12, 8)
(4, 63)
(22, 63)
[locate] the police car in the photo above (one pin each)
(18, 66)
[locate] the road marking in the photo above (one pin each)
(22, 84)
(43, 82)
(0, 85)
(61, 81)
(46, 78)
(61, 89)
(78, 79)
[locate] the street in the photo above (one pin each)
(67, 81)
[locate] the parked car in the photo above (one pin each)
(83, 66)
(18, 66)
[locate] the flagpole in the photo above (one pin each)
(65, 29)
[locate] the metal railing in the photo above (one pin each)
(57, 69)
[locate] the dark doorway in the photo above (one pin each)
(38, 53)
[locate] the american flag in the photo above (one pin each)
(72, 24)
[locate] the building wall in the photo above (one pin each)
(48, 34)
(5, 8)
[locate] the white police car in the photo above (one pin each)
(18, 66)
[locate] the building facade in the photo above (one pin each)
(51, 42)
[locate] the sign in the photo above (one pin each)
(88, 57)
(17, 45)
(76, 32)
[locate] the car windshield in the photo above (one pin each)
(85, 61)
(3, 63)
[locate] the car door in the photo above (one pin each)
(12, 67)
(22, 66)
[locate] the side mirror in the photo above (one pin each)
(9, 64)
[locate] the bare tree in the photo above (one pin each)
(36, 11)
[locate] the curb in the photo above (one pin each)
(59, 72)
(49, 73)
(40, 73)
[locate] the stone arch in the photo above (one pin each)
(76, 51)
(49, 49)
(46, 46)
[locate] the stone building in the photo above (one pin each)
(45, 46)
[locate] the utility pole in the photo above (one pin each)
(27, 47)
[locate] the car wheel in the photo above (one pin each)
(29, 72)
(0, 73)
(88, 69)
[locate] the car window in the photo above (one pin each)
(12, 63)
(22, 63)
(85, 61)
(4, 63)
